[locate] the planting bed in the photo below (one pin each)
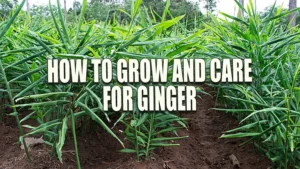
(202, 150)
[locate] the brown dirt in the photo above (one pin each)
(202, 150)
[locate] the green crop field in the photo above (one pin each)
(268, 108)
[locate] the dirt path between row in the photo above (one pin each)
(202, 150)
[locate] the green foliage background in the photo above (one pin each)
(268, 108)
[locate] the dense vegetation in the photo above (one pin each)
(269, 108)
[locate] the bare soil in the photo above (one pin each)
(202, 150)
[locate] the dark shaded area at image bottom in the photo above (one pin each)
(98, 150)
